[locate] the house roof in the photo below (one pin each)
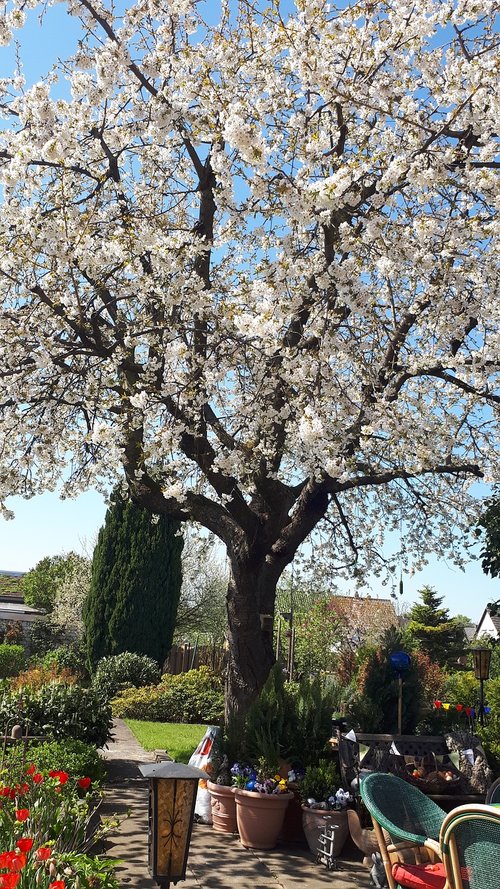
(495, 620)
(365, 613)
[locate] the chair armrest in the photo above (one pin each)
(433, 846)
(398, 847)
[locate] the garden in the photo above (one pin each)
(279, 759)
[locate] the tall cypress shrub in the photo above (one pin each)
(135, 584)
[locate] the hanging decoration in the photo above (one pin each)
(460, 708)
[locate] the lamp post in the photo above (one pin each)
(172, 797)
(482, 658)
(400, 662)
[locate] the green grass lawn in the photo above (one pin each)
(178, 739)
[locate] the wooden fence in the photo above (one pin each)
(189, 657)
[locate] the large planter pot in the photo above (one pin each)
(259, 817)
(292, 830)
(313, 822)
(223, 807)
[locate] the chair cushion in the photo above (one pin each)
(420, 876)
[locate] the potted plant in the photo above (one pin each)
(321, 796)
(222, 801)
(262, 797)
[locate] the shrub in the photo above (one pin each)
(72, 756)
(12, 660)
(70, 657)
(36, 677)
(195, 696)
(319, 782)
(44, 636)
(120, 671)
(61, 711)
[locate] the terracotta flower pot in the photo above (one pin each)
(313, 822)
(223, 807)
(259, 817)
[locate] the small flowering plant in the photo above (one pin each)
(242, 775)
(259, 780)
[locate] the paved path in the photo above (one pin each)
(216, 861)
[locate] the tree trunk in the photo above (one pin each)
(250, 637)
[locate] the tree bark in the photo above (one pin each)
(250, 638)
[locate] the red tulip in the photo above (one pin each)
(31, 769)
(57, 884)
(6, 859)
(58, 773)
(9, 881)
(84, 783)
(37, 778)
(24, 844)
(18, 861)
(43, 853)
(22, 814)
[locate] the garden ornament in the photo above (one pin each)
(377, 873)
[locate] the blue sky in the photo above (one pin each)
(47, 525)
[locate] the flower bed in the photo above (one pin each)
(45, 831)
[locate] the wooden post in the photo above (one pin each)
(400, 704)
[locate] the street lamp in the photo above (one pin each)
(172, 797)
(482, 658)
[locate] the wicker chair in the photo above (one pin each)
(493, 795)
(470, 845)
(404, 819)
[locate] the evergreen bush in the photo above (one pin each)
(12, 660)
(135, 584)
(76, 757)
(193, 697)
(66, 657)
(120, 671)
(60, 711)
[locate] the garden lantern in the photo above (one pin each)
(172, 797)
(482, 658)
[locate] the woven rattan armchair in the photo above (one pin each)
(493, 795)
(470, 847)
(404, 819)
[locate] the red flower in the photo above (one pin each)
(21, 789)
(12, 793)
(84, 783)
(37, 778)
(18, 861)
(24, 844)
(22, 814)
(58, 773)
(31, 769)
(57, 884)
(5, 791)
(43, 853)
(9, 881)
(6, 859)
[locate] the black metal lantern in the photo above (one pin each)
(482, 659)
(172, 797)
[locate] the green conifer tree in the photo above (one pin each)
(135, 584)
(439, 636)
